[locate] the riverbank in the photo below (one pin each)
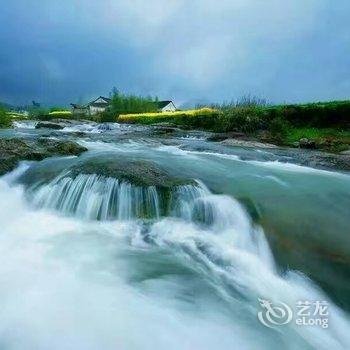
(307, 156)
(321, 126)
(312, 157)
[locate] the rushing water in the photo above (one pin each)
(81, 269)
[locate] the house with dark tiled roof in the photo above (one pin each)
(166, 106)
(99, 105)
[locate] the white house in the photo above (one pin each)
(166, 106)
(96, 106)
(99, 105)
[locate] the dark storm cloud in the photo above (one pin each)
(59, 52)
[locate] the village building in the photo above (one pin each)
(166, 106)
(101, 103)
(94, 107)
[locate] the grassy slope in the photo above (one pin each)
(326, 123)
(330, 139)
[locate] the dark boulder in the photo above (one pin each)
(14, 150)
(137, 172)
(104, 127)
(66, 148)
(307, 143)
(218, 137)
(50, 125)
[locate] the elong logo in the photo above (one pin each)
(274, 315)
(308, 314)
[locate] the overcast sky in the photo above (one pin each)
(58, 52)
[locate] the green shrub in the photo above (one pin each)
(40, 114)
(246, 119)
(104, 117)
(129, 104)
(278, 128)
(44, 114)
(57, 109)
(5, 119)
(319, 115)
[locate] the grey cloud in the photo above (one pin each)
(58, 52)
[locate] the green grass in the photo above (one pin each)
(5, 119)
(15, 115)
(295, 134)
(329, 139)
(333, 114)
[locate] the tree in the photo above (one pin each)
(5, 119)
(130, 104)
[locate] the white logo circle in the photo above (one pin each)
(274, 315)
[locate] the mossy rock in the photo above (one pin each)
(251, 207)
(14, 150)
(49, 125)
(137, 172)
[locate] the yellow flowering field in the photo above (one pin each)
(150, 118)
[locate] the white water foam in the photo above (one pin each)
(283, 166)
(24, 124)
(63, 288)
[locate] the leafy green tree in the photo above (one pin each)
(131, 104)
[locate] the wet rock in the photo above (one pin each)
(307, 143)
(146, 178)
(251, 207)
(50, 125)
(137, 172)
(247, 143)
(104, 127)
(317, 159)
(165, 129)
(67, 148)
(79, 133)
(14, 150)
(218, 137)
(64, 121)
(51, 134)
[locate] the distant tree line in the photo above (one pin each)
(125, 104)
(122, 103)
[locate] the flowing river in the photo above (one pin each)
(94, 262)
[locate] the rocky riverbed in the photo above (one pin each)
(123, 224)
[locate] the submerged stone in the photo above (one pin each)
(50, 125)
(110, 188)
(137, 172)
(251, 207)
(97, 197)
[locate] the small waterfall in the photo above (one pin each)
(183, 199)
(97, 198)
(211, 225)
(229, 259)
(219, 220)
(24, 124)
